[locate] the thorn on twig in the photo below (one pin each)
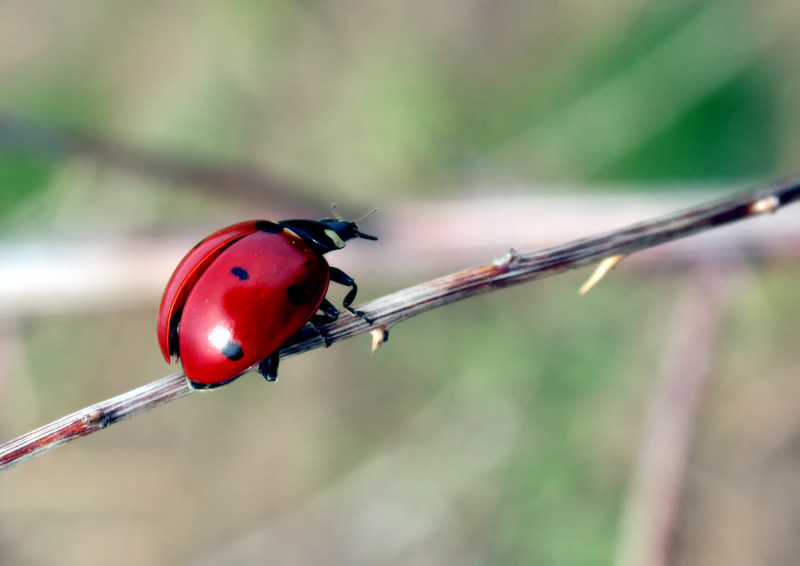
(97, 419)
(509, 260)
(379, 336)
(600, 271)
(766, 204)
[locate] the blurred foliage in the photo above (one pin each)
(22, 176)
(420, 97)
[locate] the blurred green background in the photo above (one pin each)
(500, 430)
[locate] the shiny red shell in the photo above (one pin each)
(237, 297)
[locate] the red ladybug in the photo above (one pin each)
(241, 293)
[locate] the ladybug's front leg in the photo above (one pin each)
(342, 278)
(269, 367)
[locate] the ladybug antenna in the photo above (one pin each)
(370, 213)
(361, 234)
(335, 213)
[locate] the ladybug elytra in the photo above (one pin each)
(242, 292)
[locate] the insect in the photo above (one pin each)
(242, 292)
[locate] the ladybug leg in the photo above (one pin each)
(326, 313)
(342, 278)
(173, 340)
(269, 367)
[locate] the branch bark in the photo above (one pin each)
(513, 269)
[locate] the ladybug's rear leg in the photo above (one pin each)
(269, 367)
(342, 278)
(173, 340)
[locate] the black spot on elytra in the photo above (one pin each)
(232, 351)
(241, 273)
(297, 295)
(270, 227)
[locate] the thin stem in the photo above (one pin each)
(94, 418)
(518, 268)
(387, 311)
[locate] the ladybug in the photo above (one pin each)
(241, 293)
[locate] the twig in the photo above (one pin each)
(92, 419)
(513, 269)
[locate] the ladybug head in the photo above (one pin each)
(327, 234)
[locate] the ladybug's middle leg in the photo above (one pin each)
(342, 278)
(326, 313)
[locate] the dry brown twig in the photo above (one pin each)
(387, 311)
